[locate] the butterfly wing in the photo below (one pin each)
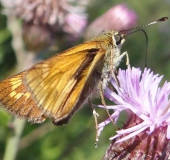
(16, 99)
(61, 84)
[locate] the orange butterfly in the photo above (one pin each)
(57, 87)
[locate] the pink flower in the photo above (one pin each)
(55, 15)
(75, 24)
(139, 94)
(118, 18)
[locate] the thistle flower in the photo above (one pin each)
(54, 13)
(147, 131)
(46, 20)
(46, 12)
(118, 18)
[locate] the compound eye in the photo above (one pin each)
(118, 39)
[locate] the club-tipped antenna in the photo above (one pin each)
(145, 25)
(139, 28)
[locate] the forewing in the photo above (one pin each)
(56, 84)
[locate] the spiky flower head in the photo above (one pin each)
(147, 130)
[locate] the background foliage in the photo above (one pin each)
(76, 140)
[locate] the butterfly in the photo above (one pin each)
(57, 87)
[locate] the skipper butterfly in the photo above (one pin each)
(57, 87)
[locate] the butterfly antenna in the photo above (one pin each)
(145, 25)
(139, 28)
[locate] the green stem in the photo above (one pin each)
(12, 144)
(13, 141)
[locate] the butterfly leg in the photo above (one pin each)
(104, 103)
(114, 72)
(95, 115)
(127, 58)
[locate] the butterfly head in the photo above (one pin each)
(119, 39)
(112, 38)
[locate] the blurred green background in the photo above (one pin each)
(75, 141)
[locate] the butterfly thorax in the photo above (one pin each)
(112, 42)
